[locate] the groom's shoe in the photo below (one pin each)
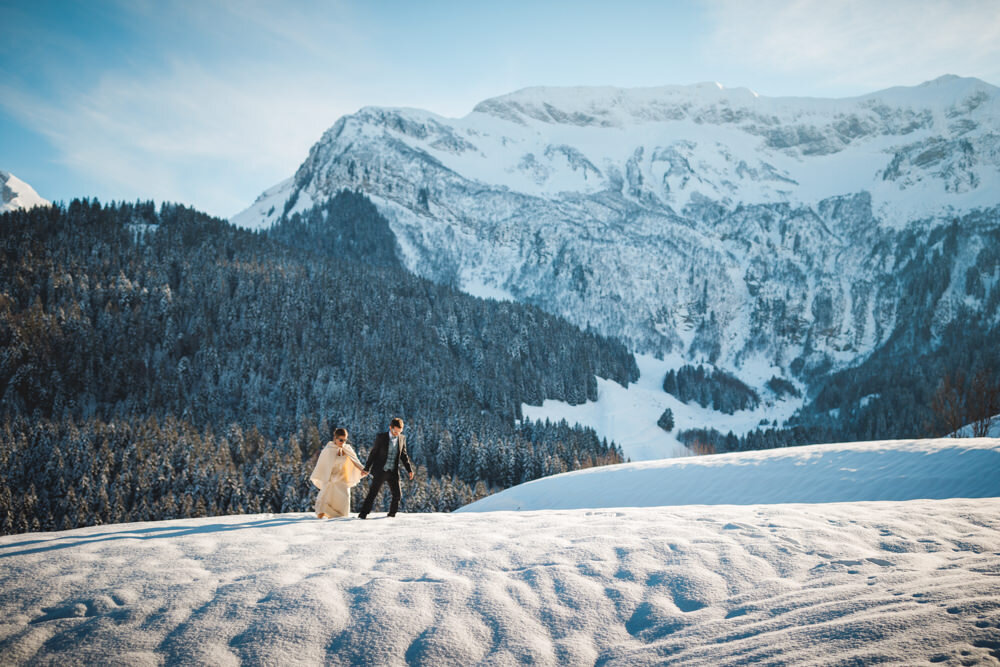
(362, 516)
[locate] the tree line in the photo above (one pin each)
(62, 474)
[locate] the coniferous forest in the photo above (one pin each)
(160, 363)
(710, 388)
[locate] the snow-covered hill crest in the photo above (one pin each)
(830, 473)
(16, 194)
(712, 222)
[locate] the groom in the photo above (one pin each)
(383, 463)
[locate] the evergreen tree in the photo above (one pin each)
(666, 420)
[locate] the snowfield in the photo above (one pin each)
(628, 415)
(772, 577)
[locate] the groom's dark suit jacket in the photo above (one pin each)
(380, 452)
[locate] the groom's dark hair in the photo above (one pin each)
(397, 422)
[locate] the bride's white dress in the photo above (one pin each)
(334, 475)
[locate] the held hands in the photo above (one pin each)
(411, 474)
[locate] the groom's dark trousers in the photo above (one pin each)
(378, 478)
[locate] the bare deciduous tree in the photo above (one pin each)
(984, 402)
(960, 402)
(949, 402)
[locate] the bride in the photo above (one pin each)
(336, 471)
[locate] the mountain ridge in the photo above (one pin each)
(420, 124)
(685, 97)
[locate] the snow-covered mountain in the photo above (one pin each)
(16, 194)
(710, 222)
(659, 580)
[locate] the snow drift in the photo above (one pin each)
(837, 473)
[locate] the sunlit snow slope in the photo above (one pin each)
(16, 194)
(835, 473)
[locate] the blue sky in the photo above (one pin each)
(209, 102)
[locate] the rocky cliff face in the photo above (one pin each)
(714, 223)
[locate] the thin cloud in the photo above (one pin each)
(146, 138)
(861, 44)
(210, 128)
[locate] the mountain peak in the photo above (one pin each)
(953, 79)
(15, 194)
(944, 90)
